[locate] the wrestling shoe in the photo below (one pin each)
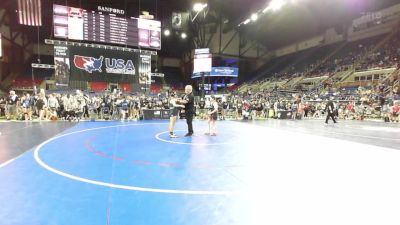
(173, 136)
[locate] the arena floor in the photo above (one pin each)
(252, 173)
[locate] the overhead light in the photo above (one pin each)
(274, 5)
(167, 32)
(183, 35)
(246, 21)
(254, 17)
(198, 7)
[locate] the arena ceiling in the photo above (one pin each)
(292, 23)
(297, 21)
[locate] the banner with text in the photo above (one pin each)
(61, 65)
(219, 72)
(99, 64)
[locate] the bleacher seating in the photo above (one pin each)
(156, 88)
(336, 63)
(25, 83)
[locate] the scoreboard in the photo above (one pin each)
(80, 24)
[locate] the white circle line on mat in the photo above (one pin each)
(118, 186)
(186, 143)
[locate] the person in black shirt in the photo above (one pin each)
(212, 117)
(202, 103)
(224, 108)
(3, 103)
(329, 109)
(175, 109)
(136, 108)
(124, 108)
(188, 101)
(27, 103)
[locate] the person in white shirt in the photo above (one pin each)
(53, 106)
(276, 109)
(12, 105)
(71, 104)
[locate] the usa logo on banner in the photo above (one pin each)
(30, 12)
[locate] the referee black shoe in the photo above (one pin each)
(188, 134)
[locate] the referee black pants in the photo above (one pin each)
(330, 115)
(189, 121)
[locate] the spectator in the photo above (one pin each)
(12, 105)
(27, 104)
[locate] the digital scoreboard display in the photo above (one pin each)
(202, 63)
(80, 24)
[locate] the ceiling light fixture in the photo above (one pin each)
(183, 35)
(254, 17)
(198, 7)
(274, 5)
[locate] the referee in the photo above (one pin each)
(188, 101)
(329, 109)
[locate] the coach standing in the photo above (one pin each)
(188, 101)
